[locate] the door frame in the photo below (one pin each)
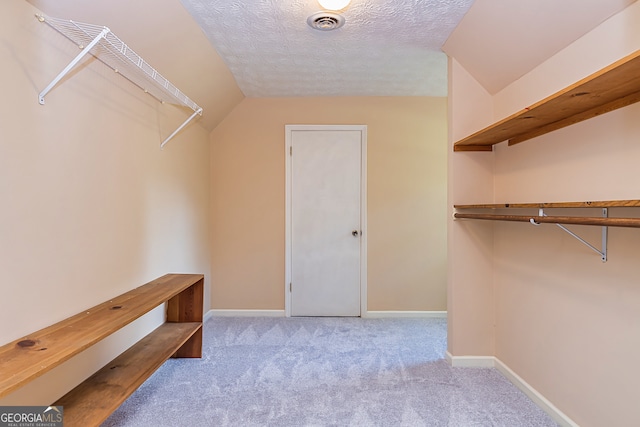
(289, 129)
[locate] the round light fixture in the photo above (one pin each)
(334, 4)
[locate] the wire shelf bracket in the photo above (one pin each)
(105, 46)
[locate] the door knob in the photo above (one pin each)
(354, 233)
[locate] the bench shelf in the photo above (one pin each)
(31, 356)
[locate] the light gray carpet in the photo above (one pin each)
(325, 372)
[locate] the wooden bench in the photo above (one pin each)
(91, 402)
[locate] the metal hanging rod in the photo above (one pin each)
(113, 52)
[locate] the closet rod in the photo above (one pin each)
(612, 222)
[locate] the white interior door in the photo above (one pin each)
(325, 222)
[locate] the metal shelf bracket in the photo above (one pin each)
(195, 113)
(72, 64)
(605, 232)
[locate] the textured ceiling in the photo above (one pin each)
(386, 48)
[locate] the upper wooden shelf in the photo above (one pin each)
(613, 87)
(599, 204)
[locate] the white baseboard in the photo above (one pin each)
(471, 361)
(397, 314)
(281, 313)
(493, 362)
(558, 416)
(243, 313)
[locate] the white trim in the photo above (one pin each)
(493, 362)
(219, 312)
(399, 314)
(558, 416)
(363, 209)
(471, 361)
(208, 315)
(363, 220)
(287, 221)
(449, 358)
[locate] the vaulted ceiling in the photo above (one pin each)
(501, 40)
(220, 51)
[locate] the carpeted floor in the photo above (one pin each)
(325, 372)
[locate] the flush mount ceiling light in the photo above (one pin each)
(334, 4)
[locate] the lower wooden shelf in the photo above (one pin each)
(560, 220)
(91, 402)
(595, 204)
(543, 218)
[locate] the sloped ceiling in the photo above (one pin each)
(499, 41)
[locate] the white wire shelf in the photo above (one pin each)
(105, 46)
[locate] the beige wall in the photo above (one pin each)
(564, 321)
(91, 206)
(406, 199)
(470, 250)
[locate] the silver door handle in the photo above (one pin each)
(354, 233)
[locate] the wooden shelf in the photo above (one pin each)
(598, 204)
(91, 403)
(31, 356)
(614, 222)
(613, 87)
